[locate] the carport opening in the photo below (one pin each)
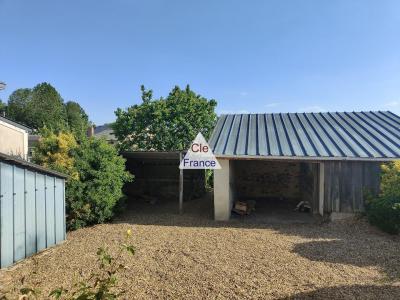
(276, 187)
(156, 185)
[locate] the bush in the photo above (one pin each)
(209, 179)
(56, 152)
(101, 178)
(101, 282)
(383, 210)
(96, 175)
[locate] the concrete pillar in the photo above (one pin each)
(222, 192)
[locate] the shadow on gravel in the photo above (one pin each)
(365, 292)
(345, 242)
(377, 253)
(350, 242)
(200, 213)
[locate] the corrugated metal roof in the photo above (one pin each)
(352, 135)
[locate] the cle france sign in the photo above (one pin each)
(199, 156)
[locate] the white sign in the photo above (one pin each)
(199, 156)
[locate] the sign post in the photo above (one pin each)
(180, 186)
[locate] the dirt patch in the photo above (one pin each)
(186, 256)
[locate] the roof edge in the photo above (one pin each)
(306, 158)
(307, 112)
(11, 159)
(16, 124)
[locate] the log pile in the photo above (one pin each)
(244, 207)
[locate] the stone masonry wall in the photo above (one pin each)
(267, 179)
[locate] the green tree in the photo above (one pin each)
(78, 120)
(383, 210)
(165, 124)
(3, 107)
(43, 106)
(17, 108)
(96, 175)
(39, 107)
(46, 108)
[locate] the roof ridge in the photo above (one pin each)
(308, 112)
(16, 124)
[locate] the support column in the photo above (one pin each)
(222, 201)
(321, 188)
(180, 185)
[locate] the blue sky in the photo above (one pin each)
(251, 56)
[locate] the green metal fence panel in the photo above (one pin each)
(59, 209)
(50, 212)
(40, 197)
(32, 211)
(19, 213)
(7, 215)
(30, 216)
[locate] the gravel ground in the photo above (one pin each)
(191, 256)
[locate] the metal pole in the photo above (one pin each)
(180, 186)
(321, 188)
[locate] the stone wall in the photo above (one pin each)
(257, 179)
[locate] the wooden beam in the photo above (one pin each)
(180, 186)
(321, 188)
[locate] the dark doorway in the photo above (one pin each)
(276, 187)
(156, 183)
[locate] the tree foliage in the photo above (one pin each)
(77, 119)
(17, 105)
(57, 152)
(383, 210)
(46, 108)
(165, 124)
(96, 175)
(3, 107)
(43, 106)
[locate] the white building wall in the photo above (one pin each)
(13, 140)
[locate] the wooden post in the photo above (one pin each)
(180, 186)
(321, 188)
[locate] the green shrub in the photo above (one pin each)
(383, 210)
(209, 179)
(96, 175)
(101, 177)
(100, 284)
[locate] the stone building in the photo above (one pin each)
(327, 159)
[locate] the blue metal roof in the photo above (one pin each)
(335, 135)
